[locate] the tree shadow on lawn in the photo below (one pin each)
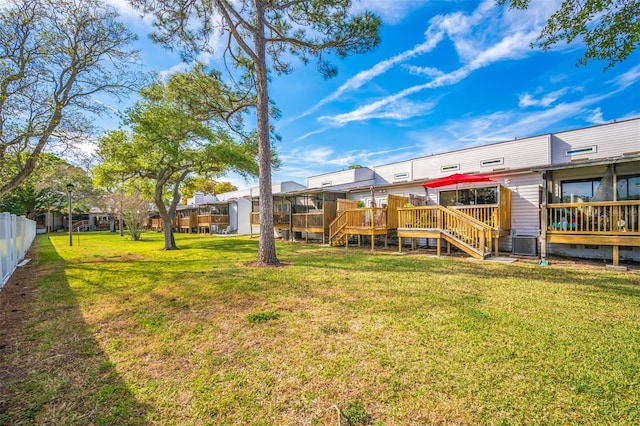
(623, 284)
(52, 371)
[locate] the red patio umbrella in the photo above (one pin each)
(455, 179)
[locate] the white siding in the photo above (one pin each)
(390, 173)
(360, 176)
(239, 216)
(525, 206)
(276, 188)
(516, 154)
(609, 140)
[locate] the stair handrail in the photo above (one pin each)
(80, 224)
(483, 242)
(337, 226)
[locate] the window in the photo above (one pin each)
(628, 188)
(450, 168)
(579, 191)
(581, 150)
(492, 162)
(401, 176)
(469, 197)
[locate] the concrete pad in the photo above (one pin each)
(501, 259)
(617, 268)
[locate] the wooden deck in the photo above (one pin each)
(370, 222)
(315, 221)
(610, 223)
(279, 218)
(210, 222)
(471, 235)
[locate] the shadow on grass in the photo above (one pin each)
(624, 284)
(52, 371)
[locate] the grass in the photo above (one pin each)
(121, 332)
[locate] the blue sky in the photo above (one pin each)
(447, 75)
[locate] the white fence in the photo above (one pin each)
(16, 235)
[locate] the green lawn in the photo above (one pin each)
(120, 332)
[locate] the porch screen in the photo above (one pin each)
(469, 197)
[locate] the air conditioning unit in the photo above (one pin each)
(525, 245)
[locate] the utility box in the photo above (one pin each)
(525, 245)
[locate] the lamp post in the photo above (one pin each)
(69, 191)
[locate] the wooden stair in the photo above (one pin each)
(337, 234)
(457, 228)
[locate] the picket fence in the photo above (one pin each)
(16, 235)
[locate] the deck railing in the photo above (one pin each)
(453, 222)
(488, 214)
(609, 217)
(312, 220)
(213, 219)
(188, 222)
(279, 218)
(368, 218)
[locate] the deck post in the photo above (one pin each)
(616, 255)
(399, 244)
(546, 177)
(373, 241)
(438, 248)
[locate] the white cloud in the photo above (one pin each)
(477, 42)
(628, 78)
(312, 133)
(426, 71)
(505, 125)
(528, 100)
(327, 160)
(391, 107)
(380, 68)
(130, 14)
(595, 117)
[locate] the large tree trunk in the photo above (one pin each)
(267, 245)
(167, 229)
(169, 240)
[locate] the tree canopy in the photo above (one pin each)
(610, 29)
(55, 57)
(169, 141)
(45, 189)
(264, 35)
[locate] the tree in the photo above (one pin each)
(169, 141)
(55, 57)
(222, 187)
(609, 28)
(205, 185)
(264, 35)
(45, 189)
(134, 208)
